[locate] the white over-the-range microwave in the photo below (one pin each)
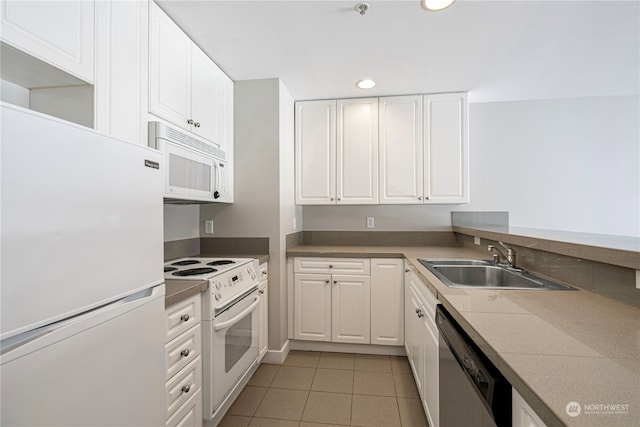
(195, 171)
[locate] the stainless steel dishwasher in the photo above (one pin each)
(473, 393)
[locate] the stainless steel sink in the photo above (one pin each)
(487, 275)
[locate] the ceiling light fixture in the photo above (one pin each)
(436, 5)
(362, 8)
(366, 84)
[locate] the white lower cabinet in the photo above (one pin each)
(350, 309)
(522, 414)
(421, 343)
(263, 309)
(387, 301)
(183, 363)
(348, 300)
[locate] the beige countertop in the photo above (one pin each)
(178, 290)
(554, 347)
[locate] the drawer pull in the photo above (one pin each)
(261, 292)
(185, 317)
(186, 388)
(185, 352)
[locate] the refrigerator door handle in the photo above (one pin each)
(33, 340)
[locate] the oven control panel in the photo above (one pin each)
(227, 285)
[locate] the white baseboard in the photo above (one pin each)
(335, 347)
(277, 356)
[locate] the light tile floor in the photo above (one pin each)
(318, 389)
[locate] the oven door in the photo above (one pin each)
(234, 344)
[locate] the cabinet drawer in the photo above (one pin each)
(182, 350)
(182, 316)
(332, 265)
(189, 414)
(182, 386)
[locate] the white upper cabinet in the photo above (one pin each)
(60, 33)
(446, 154)
(122, 37)
(169, 70)
(401, 150)
(186, 87)
(315, 151)
(391, 150)
(357, 151)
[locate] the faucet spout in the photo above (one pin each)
(510, 256)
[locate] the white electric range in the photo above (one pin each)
(230, 321)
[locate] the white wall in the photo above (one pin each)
(181, 222)
(562, 164)
(566, 164)
(263, 207)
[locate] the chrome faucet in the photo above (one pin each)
(510, 257)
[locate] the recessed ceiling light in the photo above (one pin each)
(435, 5)
(366, 84)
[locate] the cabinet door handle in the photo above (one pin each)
(407, 270)
(335, 282)
(186, 388)
(185, 317)
(197, 124)
(261, 292)
(327, 281)
(419, 198)
(185, 352)
(420, 315)
(190, 121)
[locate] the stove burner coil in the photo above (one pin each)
(221, 262)
(168, 269)
(194, 271)
(187, 262)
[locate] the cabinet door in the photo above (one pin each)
(121, 69)
(312, 307)
(263, 310)
(169, 69)
(429, 359)
(446, 159)
(400, 150)
(412, 332)
(522, 414)
(387, 301)
(223, 114)
(357, 151)
(351, 309)
(59, 33)
(315, 151)
(206, 97)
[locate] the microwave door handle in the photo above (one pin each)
(218, 176)
(236, 319)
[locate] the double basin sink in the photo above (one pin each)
(479, 274)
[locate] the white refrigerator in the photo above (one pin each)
(81, 282)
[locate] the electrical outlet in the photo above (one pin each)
(208, 226)
(476, 240)
(369, 222)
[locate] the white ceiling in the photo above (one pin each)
(496, 50)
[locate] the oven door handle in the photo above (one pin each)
(231, 322)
